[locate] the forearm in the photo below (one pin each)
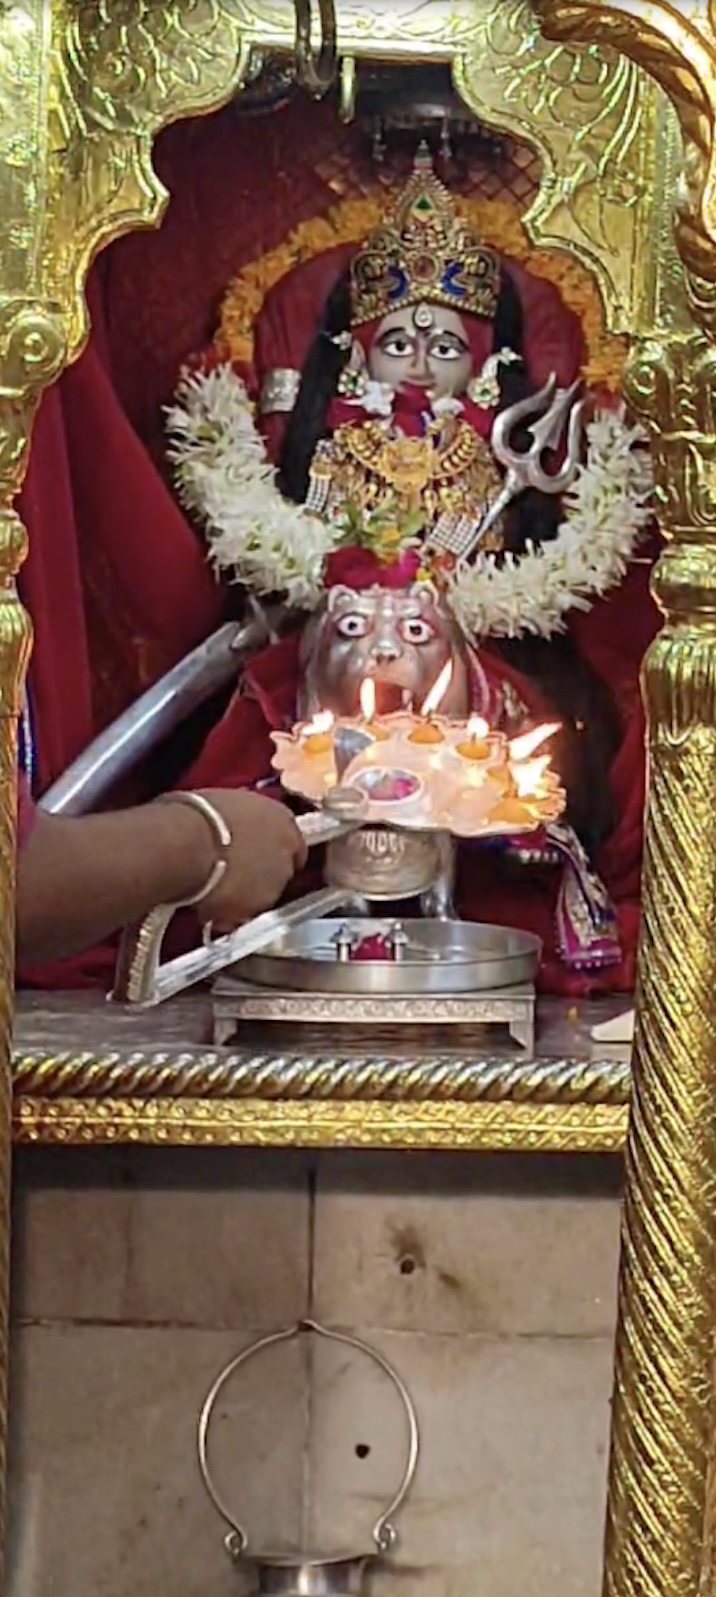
(80, 880)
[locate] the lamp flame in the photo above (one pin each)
(437, 692)
(367, 699)
(477, 729)
(323, 721)
(528, 775)
(522, 747)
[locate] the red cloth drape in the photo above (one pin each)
(116, 579)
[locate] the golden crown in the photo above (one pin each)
(424, 252)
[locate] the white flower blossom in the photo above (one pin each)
(224, 476)
(446, 405)
(606, 511)
(377, 399)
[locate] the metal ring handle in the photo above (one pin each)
(384, 1533)
(316, 72)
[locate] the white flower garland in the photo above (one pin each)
(224, 477)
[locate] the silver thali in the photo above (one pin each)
(436, 957)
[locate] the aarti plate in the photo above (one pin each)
(430, 801)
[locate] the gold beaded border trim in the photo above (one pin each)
(188, 1122)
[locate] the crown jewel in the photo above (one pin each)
(424, 252)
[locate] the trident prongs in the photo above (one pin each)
(524, 468)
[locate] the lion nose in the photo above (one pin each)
(385, 652)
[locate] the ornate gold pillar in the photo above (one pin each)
(83, 91)
(663, 1419)
(32, 349)
(663, 1415)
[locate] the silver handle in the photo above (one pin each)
(320, 827)
(141, 979)
(384, 1533)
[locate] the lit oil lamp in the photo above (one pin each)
(476, 745)
(524, 780)
(528, 776)
(316, 737)
(511, 811)
(367, 710)
(427, 731)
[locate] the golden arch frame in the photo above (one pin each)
(85, 85)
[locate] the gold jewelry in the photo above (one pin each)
(279, 391)
(221, 834)
(371, 468)
(425, 253)
(484, 391)
(484, 388)
(423, 318)
(353, 380)
(352, 384)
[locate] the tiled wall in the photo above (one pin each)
(488, 1282)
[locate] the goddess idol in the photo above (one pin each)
(424, 495)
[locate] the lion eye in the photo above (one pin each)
(416, 631)
(352, 626)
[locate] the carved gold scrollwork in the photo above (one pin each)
(32, 347)
(32, 353)
(591, 115)
(676, 46)
(671, 386)
(121, 71)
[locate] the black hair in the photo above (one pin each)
(590, 731)
(326, 359)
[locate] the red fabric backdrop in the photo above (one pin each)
(116, 580)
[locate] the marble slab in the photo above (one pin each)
(84, 1022)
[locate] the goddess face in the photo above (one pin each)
(423, 345)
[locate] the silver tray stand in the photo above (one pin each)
(454, 973)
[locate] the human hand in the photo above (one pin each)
(266, 851)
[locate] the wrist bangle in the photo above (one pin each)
(220, 832)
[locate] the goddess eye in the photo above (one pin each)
(416, 631)
(398, 345)
(445, 350)
(352, 626)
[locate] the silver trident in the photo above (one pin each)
(523, 468)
